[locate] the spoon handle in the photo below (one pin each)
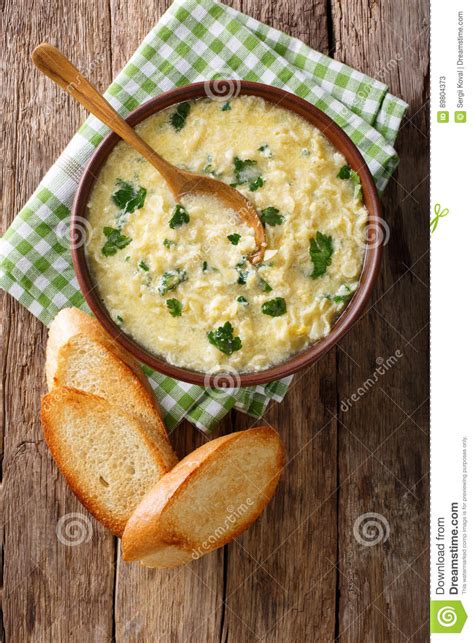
(56, 66)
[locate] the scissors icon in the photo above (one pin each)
(439, 214)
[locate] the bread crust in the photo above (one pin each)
(156, 434)
(49, 421)
(73, 321)
(146, 533)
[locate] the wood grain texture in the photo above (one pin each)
(383, 437)
(299, 574)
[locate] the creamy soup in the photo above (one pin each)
(176, 276)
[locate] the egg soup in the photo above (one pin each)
(175, 276)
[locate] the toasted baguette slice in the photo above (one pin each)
(75, 363)
(103, 453)
(88, 365)
(210, 497)
(71, 321)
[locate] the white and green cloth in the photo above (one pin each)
(194, 40)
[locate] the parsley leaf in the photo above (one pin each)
(242, 300)
(348, 174)
(168, 243)
(178, 118)
(234, 238)
(243, 274)
(341, 298)
(245, 171)
(265, 150)
(344, 172)
(338, 299)
(143, 266)
(355, 178)
(226, 107)
(263, 285)
(204, 266)
(258, 183)
(115, 241)
(320, 251)
(271, 216)
(128, 199)
(180, 216)
(175, 307)
(274, 307)
(171, 280)
(223, 339)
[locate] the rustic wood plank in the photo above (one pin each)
(153, 604)
(383, 452)
(52, 591)
(281, 579)
(281, 574)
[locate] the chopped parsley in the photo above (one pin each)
(180, 216)
(234, 238)
(223, 339)
(175, 307)
(243, 274)
(320, 251)
(204, 266)
(274, 307)
(245, 171)
(168, 243)
(340, 298)
(128, 199)
(242, 279)
(178, 118)
(143, 266)
(271, 216)
(115, 241)
(265, 150)
(242, 300)
(258, 183)
(346, 173)
(226, 107)
(119, 319)
(263, 285)
(171, 280)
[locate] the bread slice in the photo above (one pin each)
(103, 452)
(71, 321)
(88, 365)
(210, 497)
(81, 355)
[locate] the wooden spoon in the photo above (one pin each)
(51, 62)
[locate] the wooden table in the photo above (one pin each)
(300, 574)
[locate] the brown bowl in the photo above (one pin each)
(340, 141)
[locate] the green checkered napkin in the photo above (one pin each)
(194, 40)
